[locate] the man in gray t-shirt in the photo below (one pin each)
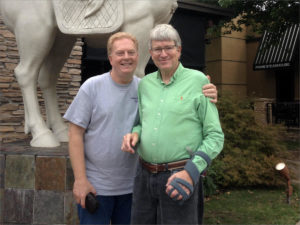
(103, 111)
(106, 110)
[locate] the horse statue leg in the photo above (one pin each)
(47, 81)
(32, 50)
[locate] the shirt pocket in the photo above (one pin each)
(181, 104)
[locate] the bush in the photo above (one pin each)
(251, 150)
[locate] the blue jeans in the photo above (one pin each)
(112, 209)
(151, 204)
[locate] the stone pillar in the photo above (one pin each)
(261, 110)
(36, 185)
(226, 63)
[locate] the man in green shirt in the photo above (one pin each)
(179, 134)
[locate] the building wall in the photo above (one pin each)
(226, 62)
(11, 103)
(229, 61)
(261, 83)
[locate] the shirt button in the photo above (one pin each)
(155, 128)
(161, 100)
(153, 144)
(158, 114)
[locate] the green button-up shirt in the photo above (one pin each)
(176, 119)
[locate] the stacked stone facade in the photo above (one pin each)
(11, 102)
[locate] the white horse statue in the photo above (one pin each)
(46, 31)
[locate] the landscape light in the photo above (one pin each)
(284, 171)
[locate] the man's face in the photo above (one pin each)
(124, 57)
(165, 55)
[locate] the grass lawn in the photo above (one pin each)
(258, 206)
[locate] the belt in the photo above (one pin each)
(162, 167)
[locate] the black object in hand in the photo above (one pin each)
(91, 203)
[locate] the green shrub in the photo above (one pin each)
(251, 150)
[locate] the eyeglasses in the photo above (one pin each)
(167, 49)
(122, 53)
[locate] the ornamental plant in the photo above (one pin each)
(251, 150)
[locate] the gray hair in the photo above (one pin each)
(164, 32)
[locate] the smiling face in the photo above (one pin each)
(165, 55)
(123, 59)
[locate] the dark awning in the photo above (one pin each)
(277, 55)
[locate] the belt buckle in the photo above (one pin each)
(156, 168)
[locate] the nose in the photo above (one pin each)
(163, 52)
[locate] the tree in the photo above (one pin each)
(273, 16)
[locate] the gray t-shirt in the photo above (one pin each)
(107, 111)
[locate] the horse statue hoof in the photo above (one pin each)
(45, 140)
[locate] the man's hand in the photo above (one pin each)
(210, 90)
(129, 142)
(182, 175)
(80, 190)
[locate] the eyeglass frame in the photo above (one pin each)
(167, 49)
(123, 53)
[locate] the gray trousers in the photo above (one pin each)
(151, 204)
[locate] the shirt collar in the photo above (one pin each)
(174, 77)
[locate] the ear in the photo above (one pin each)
(179, 48)
(110, 58)
(150, 52)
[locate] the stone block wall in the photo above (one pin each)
(11, 102)
(36, 185)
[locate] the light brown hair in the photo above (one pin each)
(118, 36)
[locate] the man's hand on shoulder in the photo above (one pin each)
(210, 90)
